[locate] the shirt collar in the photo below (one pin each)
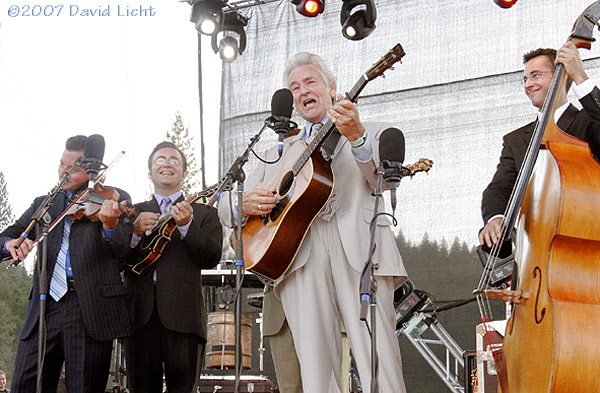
(557, 113)
(173, 197)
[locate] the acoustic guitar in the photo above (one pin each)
(303, 182)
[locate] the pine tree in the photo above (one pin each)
(6, 214)
(181, 137)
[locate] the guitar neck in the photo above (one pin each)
(328, 127)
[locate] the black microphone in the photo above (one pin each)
(281, 112)
(391, 154)
(93, 153)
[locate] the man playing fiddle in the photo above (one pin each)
(166, 298)
(583, 124)
(87, 304)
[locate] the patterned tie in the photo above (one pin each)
(58, 283)
(164, 204)
(314, 130)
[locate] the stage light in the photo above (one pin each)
(358, 18)
(207, 15)
(505, 3)
(229, 47)
(310, 8)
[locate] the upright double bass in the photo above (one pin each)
(552, 340)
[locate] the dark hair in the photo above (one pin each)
(163, 145)
(550, 55)
(76, 143)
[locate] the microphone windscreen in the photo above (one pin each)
(94, 147)
(391, 145)
(282, 103)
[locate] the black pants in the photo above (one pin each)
(87, 361)
(153, 345)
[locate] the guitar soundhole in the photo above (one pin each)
(286, 184)
(286, 188)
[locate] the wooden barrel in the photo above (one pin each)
(220, 343)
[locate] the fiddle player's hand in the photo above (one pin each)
(109, 214)
(258, 202)
(568, 55)
(345, 116)
(145, 221)
(182, 213)
(21, 252)
(491, 232)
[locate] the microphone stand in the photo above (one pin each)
(236, 174)
(368, 286)
(42, 225)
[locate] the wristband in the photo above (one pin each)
(360, 141)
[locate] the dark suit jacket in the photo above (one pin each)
(178, 288)
(95, 262)
(584, 124)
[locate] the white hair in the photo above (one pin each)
(305, 58)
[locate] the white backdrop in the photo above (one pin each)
(456, 93)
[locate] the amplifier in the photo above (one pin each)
(226, 384)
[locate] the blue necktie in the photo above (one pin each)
(58, 283)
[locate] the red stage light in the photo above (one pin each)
(505, 3)
(310, 8)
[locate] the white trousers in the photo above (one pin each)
(325, 291)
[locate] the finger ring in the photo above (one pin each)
(259, 206)
(337, 115)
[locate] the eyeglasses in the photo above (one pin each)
(162, 160)
(535, 75)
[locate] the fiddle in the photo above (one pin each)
(85, 200)
(88, 203)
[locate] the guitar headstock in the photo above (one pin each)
(386, 62)
(423, 165)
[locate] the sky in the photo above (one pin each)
(123, 72)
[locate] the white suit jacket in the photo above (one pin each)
(354, 183)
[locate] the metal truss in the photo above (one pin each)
(447, 369)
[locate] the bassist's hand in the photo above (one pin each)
(258, 202)
(144, 222)
(568, 55)
(491, 232)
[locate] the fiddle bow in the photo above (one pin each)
(80, 205)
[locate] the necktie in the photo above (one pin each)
(58, 283)
(164, 204)
(314, 130)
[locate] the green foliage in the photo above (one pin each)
(181, 137)
(6, 214)
(15, 285)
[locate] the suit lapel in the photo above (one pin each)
(529, 128)
(567, 118)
